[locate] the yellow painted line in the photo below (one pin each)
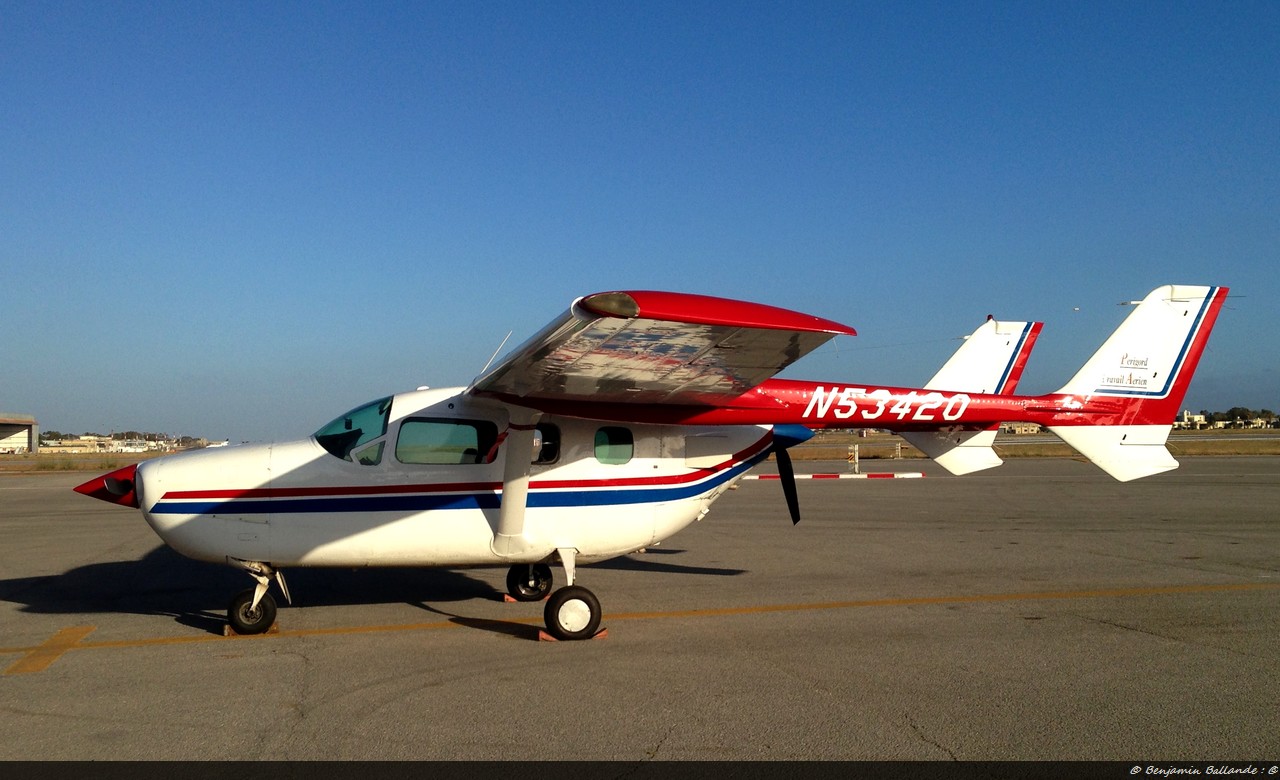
(972, 599)
(39, 657)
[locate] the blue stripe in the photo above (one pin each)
(1004, 378)
(330, 504)
(481, 500)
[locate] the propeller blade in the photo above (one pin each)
(787, 476)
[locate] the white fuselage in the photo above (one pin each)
(426, 489)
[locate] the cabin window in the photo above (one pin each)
(546, 443)
(446, 442)
(355, 428)
(614, 446)
(371, 455)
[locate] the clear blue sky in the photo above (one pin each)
(241, 219)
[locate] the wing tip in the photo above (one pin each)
(705, 310)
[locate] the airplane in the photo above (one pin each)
(619, 424)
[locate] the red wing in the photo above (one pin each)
(648, 347)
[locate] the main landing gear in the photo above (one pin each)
(572, 612)
(529, 582)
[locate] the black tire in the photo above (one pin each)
(529, 583)
(572, 613)
(251, 621)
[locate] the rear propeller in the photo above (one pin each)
(785, 436)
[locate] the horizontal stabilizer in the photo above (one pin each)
(1126, 452)
(959, 452)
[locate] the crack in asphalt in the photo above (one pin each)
(925, 739)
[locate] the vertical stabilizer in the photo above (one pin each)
(1140, 374)
(990, 361)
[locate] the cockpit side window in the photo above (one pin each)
(370, 455)
(446, 442)
(358, 426)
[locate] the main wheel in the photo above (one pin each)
(572, 612)
(251, 620)
(529, 583)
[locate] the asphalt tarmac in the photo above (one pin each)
(1037, 611)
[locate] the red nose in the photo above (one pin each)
(118, 487)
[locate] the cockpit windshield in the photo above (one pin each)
(360, 425)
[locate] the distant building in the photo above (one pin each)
(18, 433)
(1020, 427)
(1189, 421)
(103, 444)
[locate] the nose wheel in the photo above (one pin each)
(254, 610)
(573, 612)
(247, 618)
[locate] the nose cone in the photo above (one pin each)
(118, 487)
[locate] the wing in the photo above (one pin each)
(646, 347)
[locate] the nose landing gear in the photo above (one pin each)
(254, 611)
(245, 617)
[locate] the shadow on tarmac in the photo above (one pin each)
(644, 562)
(195, 594)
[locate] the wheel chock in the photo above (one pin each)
(543, 636)
(508, 599)
(227, 630)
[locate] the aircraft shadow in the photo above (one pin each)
(523, 630)
(196, 594)
(643, 562)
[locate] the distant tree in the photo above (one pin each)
(1240, 413)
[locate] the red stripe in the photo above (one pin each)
(357, 490)
(472, 487)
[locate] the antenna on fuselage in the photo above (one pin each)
(495, 352)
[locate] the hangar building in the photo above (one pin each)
(18, 433)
